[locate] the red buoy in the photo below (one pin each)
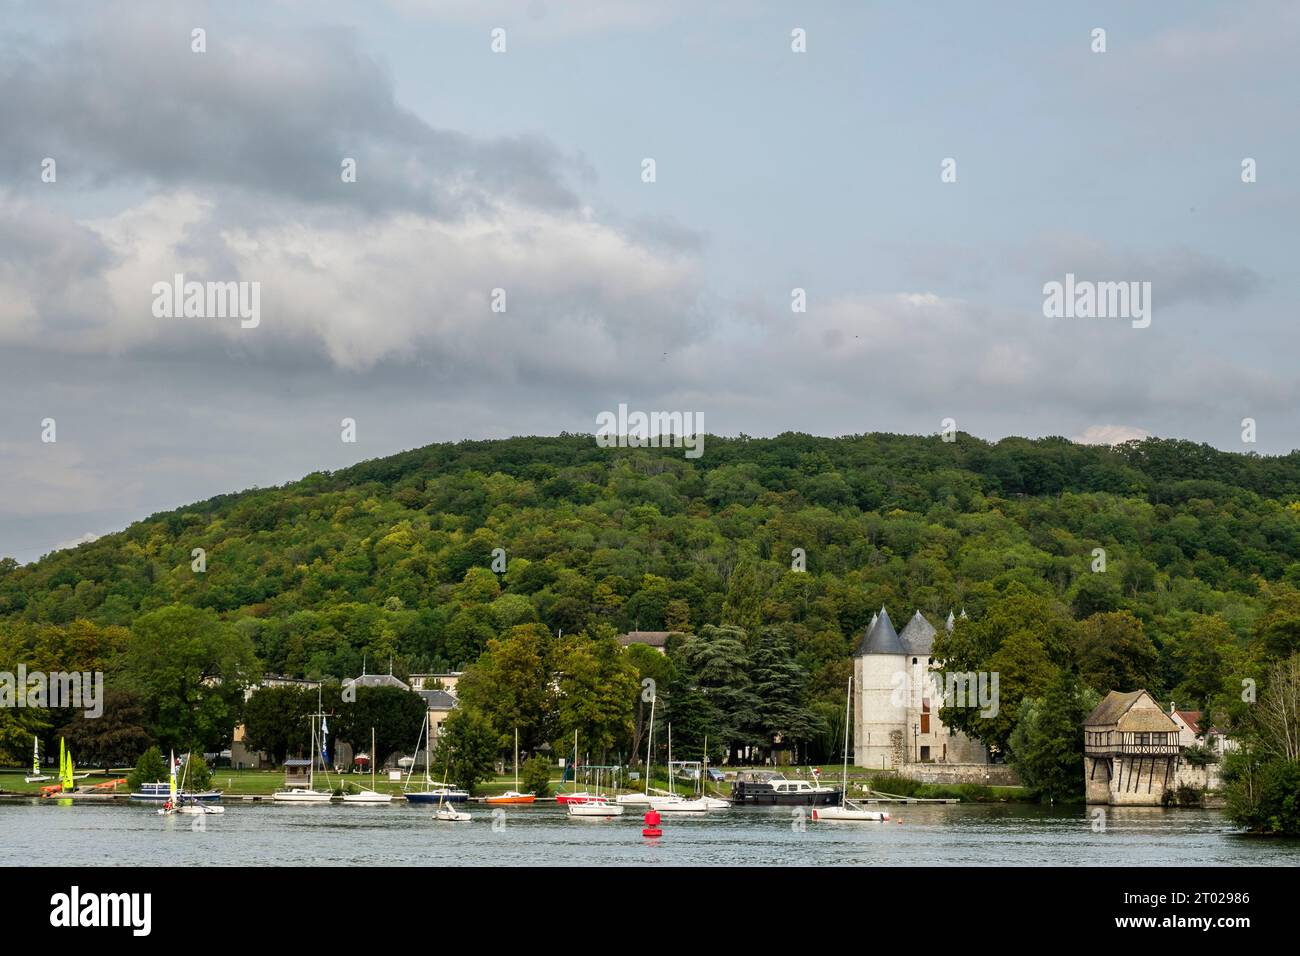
(651, 828)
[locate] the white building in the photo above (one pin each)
(898, 696)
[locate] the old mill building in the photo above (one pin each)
(1132, 754)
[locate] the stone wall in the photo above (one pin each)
(985, 774)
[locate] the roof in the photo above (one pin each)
(918, 636)
(438, 699)
(649, 638)
(880, 638)
(298, 762)
(1192, 718)
(376, 680)
(1134, 710)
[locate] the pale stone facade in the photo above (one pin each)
(898, 694)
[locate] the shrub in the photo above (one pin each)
(536, 776)
(150, 768)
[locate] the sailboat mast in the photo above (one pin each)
(848, 710)
(516, 760)
(372, 758)
(649, 743)
(671, 789)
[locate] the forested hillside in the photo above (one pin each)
(393, 558)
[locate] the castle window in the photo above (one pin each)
(913, 660)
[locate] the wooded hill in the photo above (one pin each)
(393, 558)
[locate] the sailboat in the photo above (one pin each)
(372, 795)
(642, 799)
(848, 809)
(713, 803)
(36, 776)
(429, 794)
(446, 812)
(513, 796)
(310, 794)
(675, 803)
(178, 801)
(575, 796)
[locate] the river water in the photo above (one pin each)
(934, 834)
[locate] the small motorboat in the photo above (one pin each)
(594, 807)
(451, 815)
(633, 800)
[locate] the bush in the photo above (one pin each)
(1263, 795)
(150, 768)
(536, 776)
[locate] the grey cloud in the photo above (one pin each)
(124, 100)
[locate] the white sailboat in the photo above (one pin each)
(446, 812)
(36, 776)
(177, 801)
(674, 802)
(642, 799)
(309, 794)
(848, 809)
(371, 796)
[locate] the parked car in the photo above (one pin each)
(716, 776)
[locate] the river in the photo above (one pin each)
(933, 834)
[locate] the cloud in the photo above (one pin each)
(1110, 435)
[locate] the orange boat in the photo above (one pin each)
(513, 796)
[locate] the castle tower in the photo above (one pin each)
(881, 713)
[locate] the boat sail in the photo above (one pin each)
(848, 809)
(36, 776)
(310, 794)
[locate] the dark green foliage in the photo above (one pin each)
(535, 776)
(1047, 745)
(466, 750)
(150, 768)
(196, 774)
(275, 721)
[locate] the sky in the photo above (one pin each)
(522, 169)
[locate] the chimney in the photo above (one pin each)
(1171, 707)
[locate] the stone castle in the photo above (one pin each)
(898, 696)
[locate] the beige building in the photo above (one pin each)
(898, 693)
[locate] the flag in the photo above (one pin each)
(324, 748)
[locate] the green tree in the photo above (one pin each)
(196, 774)
(192, 669)
(1046, 746)
(596, 689)
(510, 685)
(395, 716)
(116, 737)
(275, 721)
(535, 775)
(466, 749)
(1113, 653)
(150, 768)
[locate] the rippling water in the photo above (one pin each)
(938, 834)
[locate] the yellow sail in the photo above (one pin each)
(65, 765)
(171, 764)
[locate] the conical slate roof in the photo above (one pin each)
(918, 636)
(880, 638)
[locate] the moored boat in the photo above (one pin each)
(769, 788)
(594, 807)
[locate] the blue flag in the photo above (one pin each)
(324, 748)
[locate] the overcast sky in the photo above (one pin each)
(522, 171)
